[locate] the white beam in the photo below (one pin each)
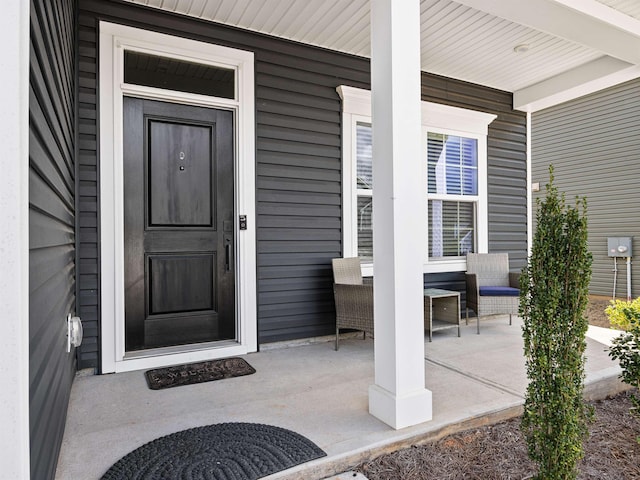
(586, 22)
(591, 77)
(398, 397)
(604, 13)
(14, 240)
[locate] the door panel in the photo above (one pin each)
(181, 283)
(185, 198)
(178, 192)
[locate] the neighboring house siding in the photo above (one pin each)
(594, 145)
(51, 227)
(298, 162)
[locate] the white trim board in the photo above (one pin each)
(14, 240)
(114, 39)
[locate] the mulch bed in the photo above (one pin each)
(595, 311)
(499, 451)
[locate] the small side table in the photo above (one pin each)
(441, 310)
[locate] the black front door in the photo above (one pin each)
(178, 224)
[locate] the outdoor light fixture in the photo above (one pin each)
(74, 332)
(523, 47)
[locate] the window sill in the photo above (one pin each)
(440, 266)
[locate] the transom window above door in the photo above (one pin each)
(178, 75)
(455, 181)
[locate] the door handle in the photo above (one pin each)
(227, 255)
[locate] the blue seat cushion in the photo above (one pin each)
(499, 291)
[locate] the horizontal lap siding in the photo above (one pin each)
(298, 188)
(298, 162)
(594, 145)
(298, 191)
(88, 234)
(52, 253)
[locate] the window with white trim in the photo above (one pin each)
(452, 195)
(455, 154)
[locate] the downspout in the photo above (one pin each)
(628, 279)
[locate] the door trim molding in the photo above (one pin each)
(114, 40)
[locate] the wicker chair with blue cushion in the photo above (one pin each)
(491, 288)
(354, 299)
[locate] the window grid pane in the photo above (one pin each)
(364, 159)
(364, 185)
(452, 164)
(365, 228)
(452, 228)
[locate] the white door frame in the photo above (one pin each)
(114, 40)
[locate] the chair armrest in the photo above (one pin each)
(514, 279)
(353, 300)
(473, 289)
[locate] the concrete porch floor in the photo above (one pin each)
(319, 393)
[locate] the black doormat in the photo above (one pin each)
(226, 451)
(197, 373)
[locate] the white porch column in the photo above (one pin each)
(398, 397)
(14, 240)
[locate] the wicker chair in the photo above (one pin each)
(354, 300)
(491, 288)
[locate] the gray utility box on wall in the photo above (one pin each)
(620, 246)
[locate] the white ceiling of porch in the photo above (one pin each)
(575, 46)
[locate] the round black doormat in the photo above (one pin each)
(226, 451)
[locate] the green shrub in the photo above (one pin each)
(626, 347)
(554, 295)
(624, 315)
